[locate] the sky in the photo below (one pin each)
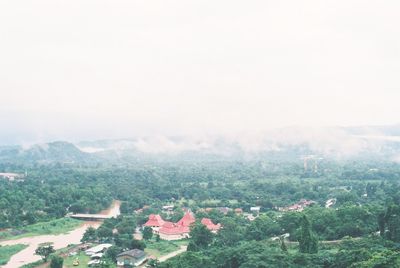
(78, 70)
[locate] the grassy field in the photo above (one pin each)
(33, 264)
(83, 261)
(163, 247)
(57, 226)
(82, 257)
(7, 251)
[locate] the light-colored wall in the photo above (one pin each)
(173, 237)
(121, 261)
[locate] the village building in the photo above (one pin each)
(330, 202)
(210, 225)
(155, 222)
(255, 210)
(12, 176)
(138, 211)
(171, 231)
(168, 209)
(186, 220)
(249, 216)
(97, 249)
(133, 257)
(299, 206)
(96, 256)
(180, 230)
(223, 210)
(238, 211)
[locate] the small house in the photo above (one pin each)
(134, 257)
(255, 209)
(168, 208)
(238, 211)
(97, 249)
(223, 210)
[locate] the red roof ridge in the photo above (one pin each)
(210, 225)
(186, 220)
(155, 220)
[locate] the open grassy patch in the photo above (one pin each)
(183, 242)
(57, 226)
(163, 247)
(83, 261)
(81, 256)
(33, 264)
(7, 251)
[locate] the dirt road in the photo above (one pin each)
(173, 254)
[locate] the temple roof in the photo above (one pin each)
(154, 221)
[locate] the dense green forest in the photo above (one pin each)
(361, 225)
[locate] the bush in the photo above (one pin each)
(56, 262)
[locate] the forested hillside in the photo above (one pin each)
(363, 193)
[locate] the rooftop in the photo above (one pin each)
(186, 220)
(210, 225)
(134, 253)
(155, 221)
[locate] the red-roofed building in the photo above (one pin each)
(169, 230)
(186, 220)
(238, 211)
(179, 230)
(210, 225)
(175, 231)
(155, 222)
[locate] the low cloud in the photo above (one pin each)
(162, 144)
(332, 142)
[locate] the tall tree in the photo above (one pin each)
(230, 234)
(381, 223)
(44, 251)
(392, 220)
(308, 243)
(89, 235)
(104, 233)
(147, 233)
(137, 244)
(201, 237)
(112, 253)
(56, 262)
(283, 245)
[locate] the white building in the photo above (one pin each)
(97, 249)
(255, 209)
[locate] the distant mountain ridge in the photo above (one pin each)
(59, 151)
(388, 130)
(382, 142)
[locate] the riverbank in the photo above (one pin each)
(7, 251)
(59, 241)
(53, 227)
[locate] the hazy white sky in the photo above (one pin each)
(92, 69)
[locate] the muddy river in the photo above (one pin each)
(59, 241)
